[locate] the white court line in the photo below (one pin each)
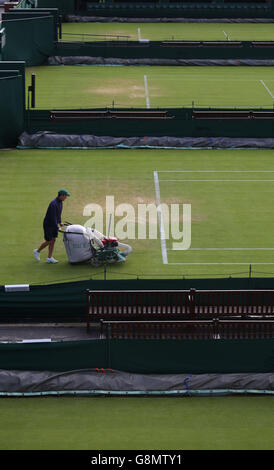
(160, 218)
(216, 171)
(226, 249)
(146, 92)
(263, 83)
(226, 35)
(247, 264)
(209, 79)
(221, 181)
(216, 249)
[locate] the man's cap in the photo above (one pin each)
(64, 192)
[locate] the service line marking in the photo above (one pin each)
(263, 83)
(146, 92)
(163, 242)
(226, 35)
(160, 218)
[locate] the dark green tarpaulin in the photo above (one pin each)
(29, 39)
(143, 356)
(11, 106)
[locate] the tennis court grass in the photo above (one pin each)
(231, 210)
(168, 31)
(137, 423)
(121, 86)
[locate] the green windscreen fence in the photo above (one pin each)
(143, 356)
(12, 107)
(23, 13)
(64, 6)
(29, 39)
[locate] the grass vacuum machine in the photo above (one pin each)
(88, 244)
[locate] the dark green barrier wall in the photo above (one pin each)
(143, 356)
(159, 50)
(181, 126)
(67, 302)
(16, 65)
(217, 9)
(64, 6)
(34, 13)
(12, 108)
(29, 39)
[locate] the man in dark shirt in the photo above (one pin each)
(51, 221)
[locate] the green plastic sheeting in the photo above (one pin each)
(143, 356)
(29, 39)
(12, 107)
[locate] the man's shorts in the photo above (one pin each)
(50, 232)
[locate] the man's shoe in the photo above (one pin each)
(52, 260)
(37, 255)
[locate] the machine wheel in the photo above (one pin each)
(111, 258)
(96, 262)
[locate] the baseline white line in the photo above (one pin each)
(228, 249)
(216, 171)
(222, 181)
(263, 83)
(195, 78)
(207, 264)
(160, 218)
(146, 92)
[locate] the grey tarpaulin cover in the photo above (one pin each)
(51, 140)
(88, 60)
(108, 380)
(119, 19)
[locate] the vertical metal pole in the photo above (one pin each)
(60, 26)
(33, 76)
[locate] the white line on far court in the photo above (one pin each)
(228, 249)
(160, 218)
(226, 35)
(215, 171)
(146, 92)
(221, 181)
(263, 83)
(247, 264)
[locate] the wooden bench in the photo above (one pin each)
(90, 115)
(226, 44)
(233, 115)
(137, 305)
(199, 329)
(178, 304)
(262, 43)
